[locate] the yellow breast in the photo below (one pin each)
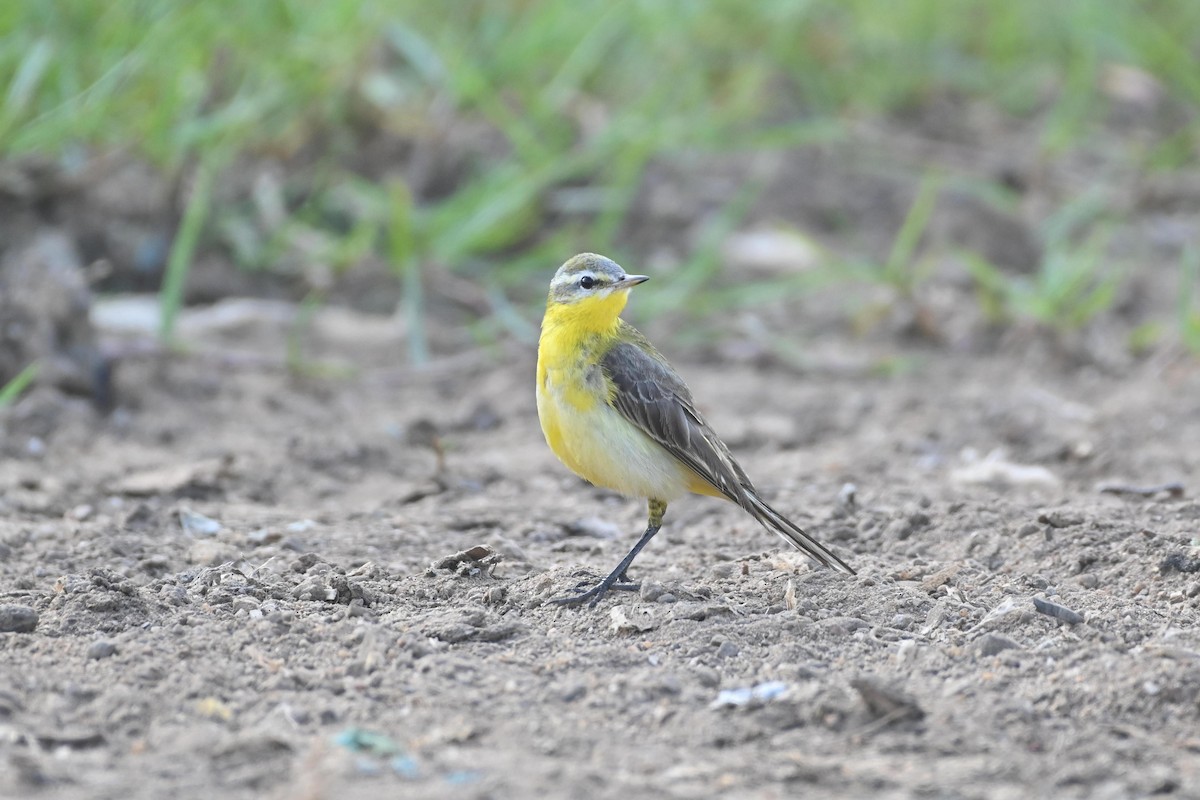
(584, 430)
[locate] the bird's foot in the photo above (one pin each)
(593, 596)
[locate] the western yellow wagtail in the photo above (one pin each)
(615, 412)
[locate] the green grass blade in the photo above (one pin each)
(19, 383)
(183, 249)
(898, 269)
(404, 254)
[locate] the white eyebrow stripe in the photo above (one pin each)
(570, 278)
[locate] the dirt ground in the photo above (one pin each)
(252, 584)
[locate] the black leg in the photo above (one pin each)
(618, 579)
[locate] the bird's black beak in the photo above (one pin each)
(634, 280)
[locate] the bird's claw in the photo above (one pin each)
(622, 583)
(595, 594)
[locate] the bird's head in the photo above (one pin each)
(592, 287)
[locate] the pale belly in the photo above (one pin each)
(604, 448)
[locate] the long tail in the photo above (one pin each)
(794, 535)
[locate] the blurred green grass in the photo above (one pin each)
(16, 386)
(581, 95)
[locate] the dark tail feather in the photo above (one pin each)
(795, 536)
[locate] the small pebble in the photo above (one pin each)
(722, 570)
(651, 591)
(596, 528)
(245, 603)
(918, 519)
(155, 563)
(17, 619)
(842, 624)
(209, 553)
(101, 649)
(405, 766)
(484, 418)
(666, 597)
(899, 529)
(622, 624)
(746, 695)
(695, 611)
(885, 701)
(297, 716)
(263, 536)
(196, 524)
(727, 650)
(707, 676)
(848, 496)
(1059, 518)
(992, 643)
(1036, 581)
(1058, 612)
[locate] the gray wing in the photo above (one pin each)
(651, 396)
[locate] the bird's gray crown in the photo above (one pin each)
(584, 274)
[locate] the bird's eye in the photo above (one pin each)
(587, 281)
